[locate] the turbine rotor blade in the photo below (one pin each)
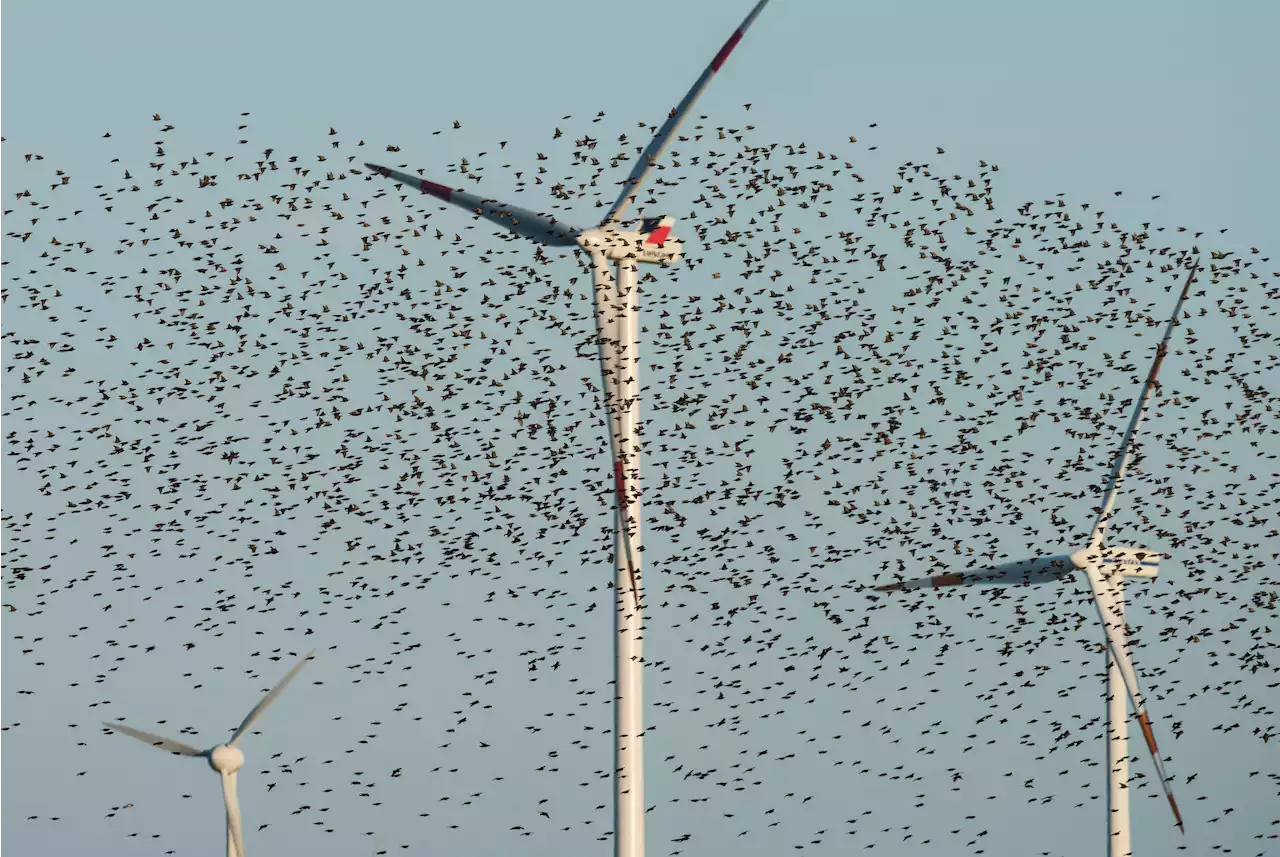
(268, 699)
(660, 140)
(232, 804)
(521, 221)
(169, 745)
(1126, 443)
(1144, 720)
(1039, 570)
(1107, 595)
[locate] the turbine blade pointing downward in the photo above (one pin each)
(1105, 595)
(528, 224)
(169, 745)
(658, 144)
(268, 699)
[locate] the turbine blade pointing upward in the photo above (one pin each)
(267, 700)
(1139, 412)
(650, 156)
(167, 744)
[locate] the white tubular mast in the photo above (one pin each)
(1118, 824)
(617, 303)
(617, 311)
(235, 832)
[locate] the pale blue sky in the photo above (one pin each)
(1150, 98)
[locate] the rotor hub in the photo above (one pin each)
(226, 759)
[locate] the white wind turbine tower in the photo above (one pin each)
(617, 310)
(226, 758)
(1106, 569)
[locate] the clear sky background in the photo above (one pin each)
(1171, 99)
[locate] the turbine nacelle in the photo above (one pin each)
(226, 759)
(650, 244)
(1129, 561)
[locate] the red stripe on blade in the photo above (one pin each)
(726, 50)
(1177, 816)
(1145, 723)
(1161, 351)
(947, 580)
(437, 190)
(620, 482)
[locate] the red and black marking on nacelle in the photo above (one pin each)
(655, 230)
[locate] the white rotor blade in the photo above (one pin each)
(267, 700)
(167, 744)
(521, 221)
(1139, 412)
(232, 803)
(1106, 594)
(1042, 569)
(656, 146)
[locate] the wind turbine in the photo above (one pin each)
(617, 312)
(226, 758)
(1106, 569)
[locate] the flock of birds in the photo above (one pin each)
(257, 402)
